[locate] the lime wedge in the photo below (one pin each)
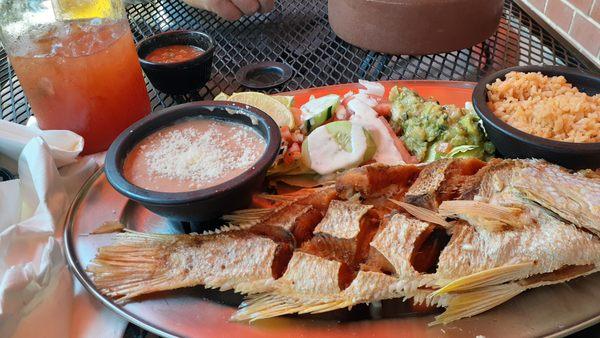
(288, 101)
(221, 97)
(277, 110)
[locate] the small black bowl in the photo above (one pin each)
(203, 204)
(513, 143)
(178, 77)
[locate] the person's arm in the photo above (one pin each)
(233, 9)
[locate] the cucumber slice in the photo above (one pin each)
(336, 146)
(316, 111)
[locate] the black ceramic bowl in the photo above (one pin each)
(178, 77)
(513, 143)
(203, 204)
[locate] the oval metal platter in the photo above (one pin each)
(197, 312)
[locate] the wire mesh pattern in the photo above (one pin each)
(298, 33)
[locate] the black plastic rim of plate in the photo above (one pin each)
(264, 75)
(6, 175)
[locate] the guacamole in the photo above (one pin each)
(431, 131)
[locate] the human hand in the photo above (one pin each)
(233, 9)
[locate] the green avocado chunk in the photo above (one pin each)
(431, 131)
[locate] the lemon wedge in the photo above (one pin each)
(221, 97)
(273, 107)
(288, 101)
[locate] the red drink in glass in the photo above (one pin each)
(84, 76)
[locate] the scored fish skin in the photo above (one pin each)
(376, 184)
(375, 180)
(423, 192)
(331, 248)
(472, 184)
(441, 180)
(312, 284)
(396, 241)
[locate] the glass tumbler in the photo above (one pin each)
(77, 64)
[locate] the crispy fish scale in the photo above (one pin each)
(440, 181)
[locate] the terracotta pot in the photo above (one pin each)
(414, 27)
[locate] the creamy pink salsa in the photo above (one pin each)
(193, 154)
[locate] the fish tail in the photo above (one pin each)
(471, 303)
(136, 264)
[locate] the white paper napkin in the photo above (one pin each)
(64, 145)
(38, 297)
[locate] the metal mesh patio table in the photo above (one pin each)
(298, 33)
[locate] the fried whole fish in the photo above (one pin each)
(460, 234)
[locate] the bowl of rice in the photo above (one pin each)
(544, 112)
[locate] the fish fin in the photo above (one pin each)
(246, 217)
(270, 305)
(291, 197)
(109, 227)
(423, 214)
(226, 228)
(468, 304)
(493, 217)
(488, 277)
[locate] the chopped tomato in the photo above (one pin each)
(406, 156)
(286, 135)
(297, 136)
(383, 109)
(292, 154)
(297, 115)
(294, 147)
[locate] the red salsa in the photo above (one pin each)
(174, 53)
